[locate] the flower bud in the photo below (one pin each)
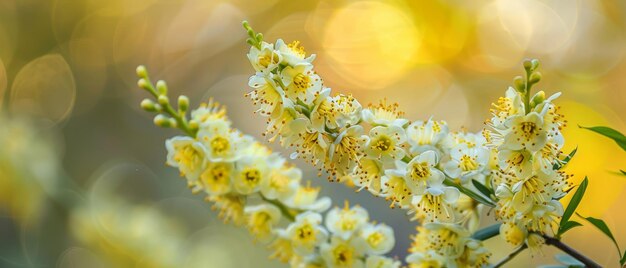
(528, 65)
(534, 78)
(193, 124)
(149, 105)
(538, 98)
(164, 100)
(535, 64)
(161, 87)
(143, 83)
(183, 103)
(162, 121)
(519, 84)
(142, 72)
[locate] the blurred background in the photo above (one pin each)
(82, 175)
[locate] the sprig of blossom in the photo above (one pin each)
(420, 166)
(526, 133)
(252, 186)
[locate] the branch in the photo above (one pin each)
(510, 256)
(487, 232)
(570, 251)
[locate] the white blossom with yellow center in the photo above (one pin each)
(424, 136)
(268, 96)
(188, 155)
(293, 53)
(306, 233)
(467, 163)
(250, 172)
(343, 222)
(375, 261)
(385, 143)
(222, 143)
(282, 180)
(340, 253)
(216, 179)
(376, 239)
(525, 132)
(421, 171)
(261, 219)
(301, 83)
(306, 198)
(264, 59)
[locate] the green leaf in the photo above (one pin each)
(573, 204)
(482, 188)
(469, 193)
(623, 260)
(623, 172)
(567, 226)
(566, 160)
(608, 132)
(601, 225)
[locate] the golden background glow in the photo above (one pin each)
(71, 64)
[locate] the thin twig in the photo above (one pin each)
(570, 251)
(510, 256)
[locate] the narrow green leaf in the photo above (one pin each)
(567, 226)
(601, 225)
(573, 204)
(608, 132)
(469, 193)
(482, 188)
(623, 172)
(623, 260)
(565, 160)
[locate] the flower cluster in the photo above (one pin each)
(526, 133)
(419, 166)
(251, 186)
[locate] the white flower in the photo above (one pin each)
(340, 253)
(507, 106)
(376, 239)
(310, 142)
(306, 233)
(421, 172)
(374, 261)
(250, 172)
(345, 150)
(208, 112)
(216, 179)
(265, 59)
(428, 259)
(424, 136)
(394, 187)
(383, 114)
(261, 219)
(548, 156)
(368, 175)
(306, 198)
(187, 154)
(467, 163)
(282, 181)
(293, 53)
(385, 143)
(301, 83)
(222, 143)
(268, 96)
(436, 203)
(525, 132)
(518, 161)
(335, 112)
(344, 222)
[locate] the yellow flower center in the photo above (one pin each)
(297, 49)
(219, 145)
(189, 157)
(216, 178)
(342, 255)
(375, 239)
(420, 170)
(383, 143)
(301, 81)
(266, 59)
(305, 233)
(259, 223)
(467, 163)
(529, 129)
(252, 176)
